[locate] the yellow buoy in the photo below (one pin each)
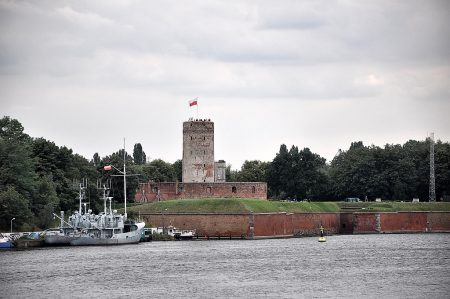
(322, 238)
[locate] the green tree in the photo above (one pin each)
(96, 160)
(253, 171)
(45, 202)
(17, 167)
(230, 174)
(13, 205)
(298, 174)
(57, 164)
(159, 171)
(178, 168)
(278, 172)
(139, 156)
(442, 169)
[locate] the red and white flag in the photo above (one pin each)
(107, 167)
(193, 102)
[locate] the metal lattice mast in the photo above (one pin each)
(432, 195)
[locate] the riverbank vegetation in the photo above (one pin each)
(38, 177)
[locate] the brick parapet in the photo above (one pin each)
(151, 192)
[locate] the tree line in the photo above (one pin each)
(39, 178)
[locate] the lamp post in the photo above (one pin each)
(11, 223)
(164, 222)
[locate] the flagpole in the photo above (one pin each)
(192, 103)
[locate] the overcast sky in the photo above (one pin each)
(317, 74)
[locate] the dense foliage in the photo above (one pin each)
(36, 177)
(394, 172)
(39, 177)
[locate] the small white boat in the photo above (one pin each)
(179, 234)
(5, 242)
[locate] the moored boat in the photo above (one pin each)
(179, 234)
(110, 227)
(106, 228)
(129, 233)
(6, 242)
(76, 222)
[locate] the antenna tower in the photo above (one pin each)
(82, 195)
(432, 195)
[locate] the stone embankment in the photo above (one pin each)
(274, 225)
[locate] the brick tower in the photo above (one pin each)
(198, 151)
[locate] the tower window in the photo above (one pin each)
(233, 189)
(253, 189)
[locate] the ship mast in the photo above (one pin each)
(124, 175)
(82, 194)
(124, 181)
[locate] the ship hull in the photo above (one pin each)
(58, 240)
(116, 239)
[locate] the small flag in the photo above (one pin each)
(108, 167)
(192, 102)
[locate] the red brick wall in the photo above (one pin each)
(438, 221)
(301, 224)
(403, 222)
(148, 192)
(309, 223)
(214, 225)
(364, 223)
(346, 225)
(272, 224)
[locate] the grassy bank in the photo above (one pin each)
(248, 205)
(393, 206)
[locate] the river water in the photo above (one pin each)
(347, 266)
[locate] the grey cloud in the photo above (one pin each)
(314, 58)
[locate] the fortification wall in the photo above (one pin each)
(151, 192)
(269, 225)
(206, 225)
(438, 221)
(346, 223)
(365, 223)
(403, 222)
(307, 224)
